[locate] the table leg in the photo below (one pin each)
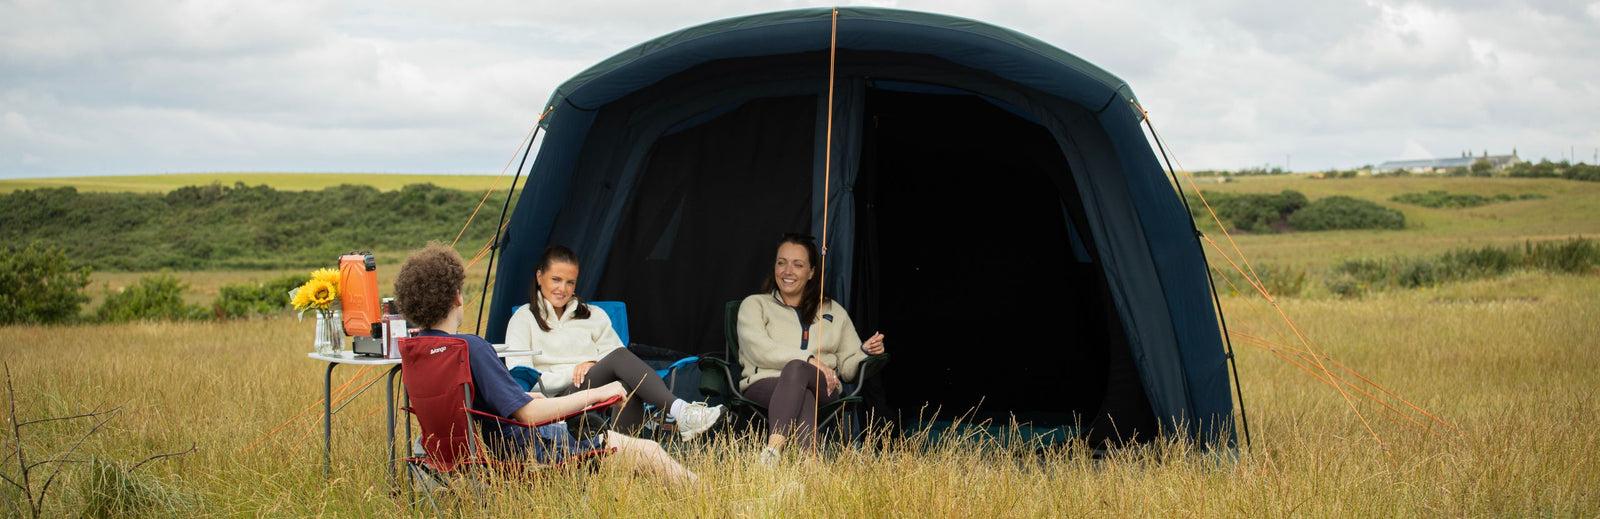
(389, 403)
(327, 418)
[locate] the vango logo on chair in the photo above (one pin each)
(436, 350)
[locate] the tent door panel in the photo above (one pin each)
(965, 262)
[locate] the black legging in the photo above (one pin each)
(645, 385)
(791, 400)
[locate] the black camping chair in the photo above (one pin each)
(719, 377)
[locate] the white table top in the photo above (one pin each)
(349, 357)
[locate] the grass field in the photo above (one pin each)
(1512, 364)
(1572, 209)
(280, 181)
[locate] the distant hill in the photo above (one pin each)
(214, 226)
(279, 181)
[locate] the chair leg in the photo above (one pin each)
(431, 483)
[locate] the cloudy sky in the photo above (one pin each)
(156, 86)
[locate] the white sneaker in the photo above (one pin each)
(769, 456)
(697, 418)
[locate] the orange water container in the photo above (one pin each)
(358, 287)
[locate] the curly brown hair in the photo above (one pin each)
(425, 290)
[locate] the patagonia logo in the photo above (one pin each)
(436, 350)
(829, 317)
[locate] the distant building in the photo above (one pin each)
(1498, 162)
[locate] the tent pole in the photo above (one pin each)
(1215, 300)
(827, 170)
(494, 248)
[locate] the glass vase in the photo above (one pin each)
(329, 338)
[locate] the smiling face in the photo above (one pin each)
(791, 271)
(557, 283)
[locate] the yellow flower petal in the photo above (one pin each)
(329, 276)
(322, 293)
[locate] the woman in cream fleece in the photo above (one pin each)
(579, 350)
(796, 348)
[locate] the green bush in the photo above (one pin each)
(248, 299)
(1343, 212)
(1252, 212)
(157, 297)
(1564, 169)
(1357, 276)
(1573, 256)
(40, 286)
(1584, 172)
(1438, 199)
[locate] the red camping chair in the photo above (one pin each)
(438, 382)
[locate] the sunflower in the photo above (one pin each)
(300, 298)
(329, 276)
(317, 293)
(322, 293)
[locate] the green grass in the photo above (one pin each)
(279, 181)
(1523, 396)
(1571, 209)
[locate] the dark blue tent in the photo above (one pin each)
(992, 206)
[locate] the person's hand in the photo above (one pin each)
(580, 371)
(828, 374)
(607, 391)
(874, 344)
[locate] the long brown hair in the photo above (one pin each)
(552, 254)
(811, 295)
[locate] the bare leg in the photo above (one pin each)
(648, 456)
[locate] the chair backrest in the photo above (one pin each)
(616, 310)
(730, 331)
(438, 379)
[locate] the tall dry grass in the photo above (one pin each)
(1512, 363)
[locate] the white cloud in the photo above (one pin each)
(16, 126)
(121, 86)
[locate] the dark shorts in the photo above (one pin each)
(547, 444)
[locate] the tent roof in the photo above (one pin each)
(1008, 54)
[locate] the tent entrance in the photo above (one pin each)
(969, 260)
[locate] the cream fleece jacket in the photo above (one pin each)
(568, 343)
(770, 333)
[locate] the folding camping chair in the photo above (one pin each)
(719, 377)
(438, 382)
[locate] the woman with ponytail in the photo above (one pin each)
(579, 350)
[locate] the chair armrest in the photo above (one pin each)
(869, 367)
(670, 373)
(716, 378)
(682, 362)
